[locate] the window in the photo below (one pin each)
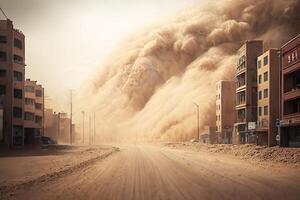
(260, 95)
(18, 76)
(29, 116)
(18, 43)
(266, 111)
(18, 93)
(259, 64)
(265, 76)
(29, 101)
(18, 59)
(2, 72)
(38, 106)
(29, 88)
(266, 93)
(3, 56)
(259, 78)
(38, 119)
(266, 59)
(3, 39)
(38, 93)
(259, 111)
(2, 89)
(17, 112)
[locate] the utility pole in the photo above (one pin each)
(94, 127)
(58, 125)
(83, 126)
(198, 128)
(90, 135)
(71, 115)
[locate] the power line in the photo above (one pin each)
(3, 13)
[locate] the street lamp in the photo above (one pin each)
(198, 128)
(83, 126)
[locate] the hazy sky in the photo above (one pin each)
(66, 39)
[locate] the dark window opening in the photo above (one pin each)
(259, 64)
(265, 76)
(18, 43)
(18, 76)
(266, 93)
(17, 112)
(241, 115)
(2, 89)
(18, 93)
(260, 95)
(241, 98)
(18, 59)
(292, 81)
(29, 116)
(29, 101)
(38, 93)
(3, 56)
(266, 59)
(38, 119)
(291, 107)
(2, 72)
(3, 39)
(240, 80)
(29, 88)
(266, 110)
(38, 106)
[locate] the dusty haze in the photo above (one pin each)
(146, 87)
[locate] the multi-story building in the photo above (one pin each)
(246, 91)
(225, 107)
(290, 93)
(267, 97)
(33, 112)
(12, 73)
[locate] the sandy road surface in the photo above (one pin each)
(150, 172)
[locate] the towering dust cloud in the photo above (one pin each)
(147, 87)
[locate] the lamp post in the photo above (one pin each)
(83, 126)
(198, 128)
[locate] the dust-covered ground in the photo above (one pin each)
(20, 169)
(144, 171)
(263, 155)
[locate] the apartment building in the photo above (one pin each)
(290, 93)
(225, 107)
(246, 92)
(12, 73)
(33, 112)
(267, 97)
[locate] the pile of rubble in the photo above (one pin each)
(247, 151)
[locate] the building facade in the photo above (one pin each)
(290, 93)
(33, 112)
(246, 91)
(267, 97)
(225, 108)
(12, 75)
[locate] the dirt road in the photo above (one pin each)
(145, 172)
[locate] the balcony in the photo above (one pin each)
(291, 94)
(291, 108)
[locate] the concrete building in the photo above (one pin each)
(208, 135)
(57, 126)
(267, 97)
(290, 93)
(246, 92)
(225, 107)
(12, 73)
(33, 112)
